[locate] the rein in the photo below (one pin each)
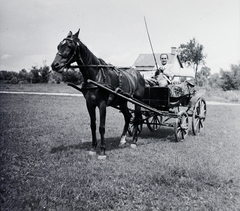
(77, 66)
(77, 44)
(118, 72)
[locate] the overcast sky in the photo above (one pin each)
(114, 30)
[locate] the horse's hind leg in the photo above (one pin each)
(92, 114)
(127, 116)
(102, 110)
(138, 119)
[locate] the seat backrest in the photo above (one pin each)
(157, 96)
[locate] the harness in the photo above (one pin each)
(102, 67)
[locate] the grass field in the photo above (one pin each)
(45, 163)
(211, 94)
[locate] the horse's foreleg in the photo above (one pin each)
(102, 114)
(92, 114)
(127, 117)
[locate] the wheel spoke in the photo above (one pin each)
(183, 133)
(201, 125)
(181, 127)
(157, 122)
(154, 122)
(179, 134)
(182, 136)
(131, 127)
(198, 107)
(197, 125)
(199, 116)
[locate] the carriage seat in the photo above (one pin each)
(161, 99)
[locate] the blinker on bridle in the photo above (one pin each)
(74, 53)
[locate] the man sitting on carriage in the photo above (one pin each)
(164, 77)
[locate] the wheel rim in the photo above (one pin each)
(199, 116)
(154, 122)
(181, 126)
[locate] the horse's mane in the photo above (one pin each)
(102, 61)
(91, 56)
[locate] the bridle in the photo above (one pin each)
(76, 45)
(101, 67)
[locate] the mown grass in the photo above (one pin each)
(45, 163)
(212, 94)
(53, 88)
(219, 95)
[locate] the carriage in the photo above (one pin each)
(160, 109)
(181, 113)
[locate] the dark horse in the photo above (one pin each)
(129, 82)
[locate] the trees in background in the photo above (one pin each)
(230, 80)
(225, 79)
(203, 76)
(192, 54)
(72, 75)
(41, 75)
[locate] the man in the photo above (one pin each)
(164, 73)
(164, 78)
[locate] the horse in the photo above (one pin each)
(129, 82)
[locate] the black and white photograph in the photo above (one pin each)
(120, 105)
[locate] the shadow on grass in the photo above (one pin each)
(82, 146)
(161, 133)
(112, 143)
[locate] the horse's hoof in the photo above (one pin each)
(133, 146)
(122, 144)
(92, 153)
(102, 157)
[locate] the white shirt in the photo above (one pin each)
(167, 71)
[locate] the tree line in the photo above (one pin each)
(191, 53)
(41, 75)
(225, 79)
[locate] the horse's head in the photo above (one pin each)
(67, 52)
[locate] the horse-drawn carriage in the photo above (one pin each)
(153, 105)
(159, 108)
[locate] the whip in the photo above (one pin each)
(153, 51)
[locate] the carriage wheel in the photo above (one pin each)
(131, 127)
(154, 122)
(181, 126)
(199, 116)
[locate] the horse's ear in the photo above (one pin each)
(69, 34)
(77, 34)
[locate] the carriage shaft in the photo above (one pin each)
(134, 101)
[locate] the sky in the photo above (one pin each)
(114, 30)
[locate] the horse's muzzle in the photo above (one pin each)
(57, 67)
